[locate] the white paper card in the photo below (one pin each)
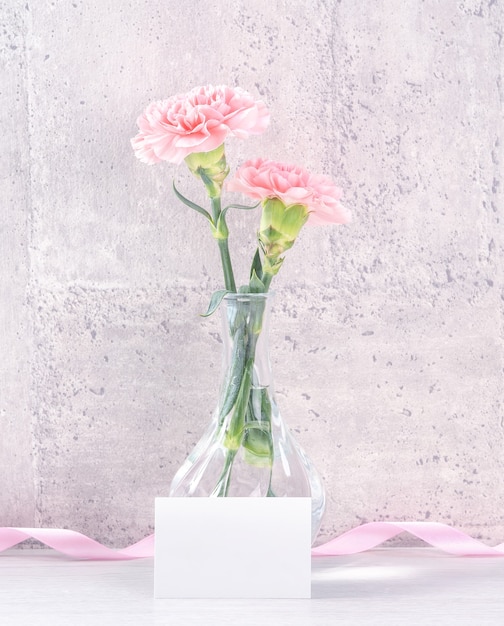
(232, 548)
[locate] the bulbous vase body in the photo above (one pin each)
(247, 450)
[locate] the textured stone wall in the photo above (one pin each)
(387, 333)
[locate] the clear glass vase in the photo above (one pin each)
(247, 450)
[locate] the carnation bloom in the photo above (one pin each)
(198, 121)
(261, 179)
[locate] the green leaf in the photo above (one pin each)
(271, 493)
(215, 300)
(256, 285)
(220, 230)
(257, 441)
(241, 207)
(256, 265)
(192, 205)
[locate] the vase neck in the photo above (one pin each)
(245, 334)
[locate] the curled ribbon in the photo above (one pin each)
(365, 537)
(75, 544)
(438, 535)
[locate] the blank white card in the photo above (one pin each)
(232, 548)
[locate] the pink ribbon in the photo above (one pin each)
(438, 535)
(75, 544)
(358, 539)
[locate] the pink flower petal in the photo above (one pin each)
(262, 178)
(198, 121)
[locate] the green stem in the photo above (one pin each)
(229, 280)
(216, 208)
(227, 267)
(249, 421)
(222, 487)
(267, 278)
(234, 431)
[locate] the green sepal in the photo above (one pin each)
(274, 242)
(215, 301)
(211, 168)
(287, 220)
(272, 266)
(192, 205)
(295, 217)
(212, 186)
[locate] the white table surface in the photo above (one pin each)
(388, 586)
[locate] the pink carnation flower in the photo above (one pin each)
(262, 178)
(198, 121)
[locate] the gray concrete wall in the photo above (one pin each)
(387, 333)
